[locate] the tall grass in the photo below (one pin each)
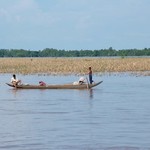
(72, 65)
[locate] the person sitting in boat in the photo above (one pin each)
(42, 83)
(15, 81)
(81, 80)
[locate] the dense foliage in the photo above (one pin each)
(50, 52)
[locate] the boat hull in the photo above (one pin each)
(53, 86)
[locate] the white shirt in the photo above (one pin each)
(13, 80)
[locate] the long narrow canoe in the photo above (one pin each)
(57, 86)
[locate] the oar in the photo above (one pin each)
(87, 83)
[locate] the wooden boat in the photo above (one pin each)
(57, 86)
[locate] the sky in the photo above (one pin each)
(74, 24)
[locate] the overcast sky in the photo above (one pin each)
(74, 24)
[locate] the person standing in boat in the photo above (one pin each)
(15, 81)
(90, 75)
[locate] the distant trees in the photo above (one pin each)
(50, 52)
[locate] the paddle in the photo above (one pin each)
(87, 83)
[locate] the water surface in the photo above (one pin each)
(113, 115)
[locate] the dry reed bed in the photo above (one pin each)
(72, 65)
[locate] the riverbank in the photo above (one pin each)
(74, 65)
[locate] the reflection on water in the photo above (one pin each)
(91, 93)
(14, 92)
(112, 116)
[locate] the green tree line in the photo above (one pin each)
(50, 52)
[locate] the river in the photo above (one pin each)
(112, 116)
